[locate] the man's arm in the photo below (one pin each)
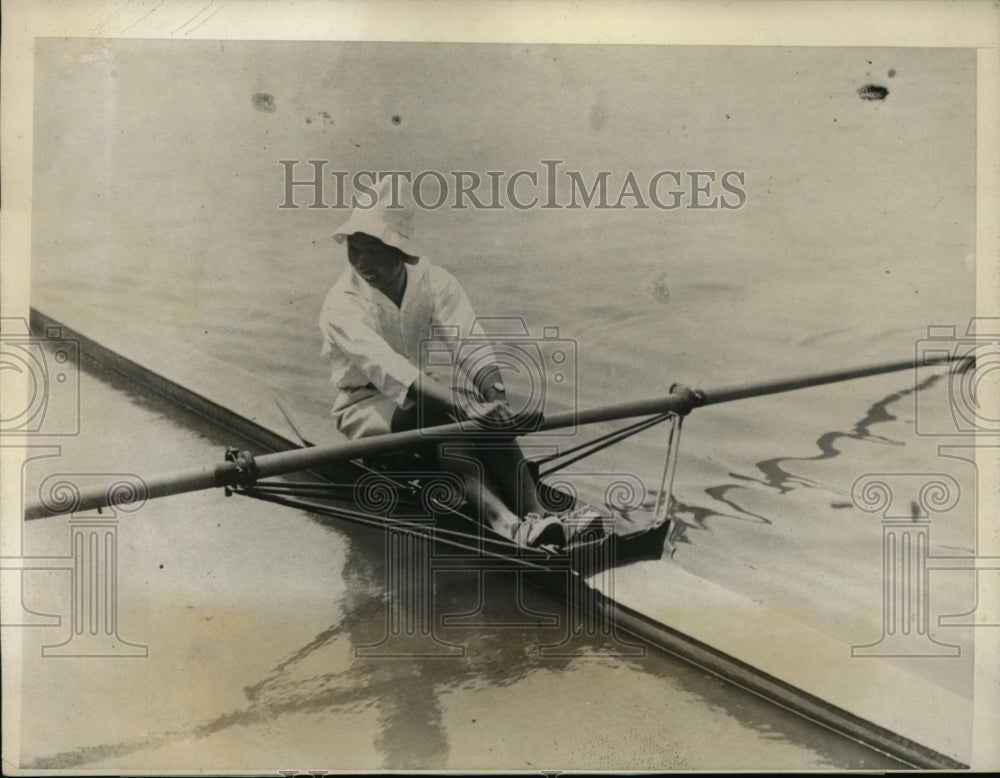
(351, 339)
(435, 395)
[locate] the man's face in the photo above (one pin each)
(378, 264)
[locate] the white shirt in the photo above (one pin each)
(375, 347)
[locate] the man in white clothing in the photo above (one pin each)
(374, 321)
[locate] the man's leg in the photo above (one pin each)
(471, 470)
(517, 485)
(467, 465)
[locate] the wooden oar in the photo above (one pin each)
(245, 470)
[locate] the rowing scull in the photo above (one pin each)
(650, 630)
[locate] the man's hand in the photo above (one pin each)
(492, 394)
(493, 415)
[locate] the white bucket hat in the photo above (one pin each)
(392, 226)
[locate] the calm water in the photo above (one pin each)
(157, 189)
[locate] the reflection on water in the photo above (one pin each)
(674, 728)
(782, 480)
(606, 712)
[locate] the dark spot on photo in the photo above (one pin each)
(309, 120)
(892, 72)
(396, 119)
(873, 92)
(263, 101)
(658, 288)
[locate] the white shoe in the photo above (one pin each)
(584, 521)
(535, 531)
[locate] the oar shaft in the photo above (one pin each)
(102, 495)
(229, 474)
(674, 402)
(746, 391)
